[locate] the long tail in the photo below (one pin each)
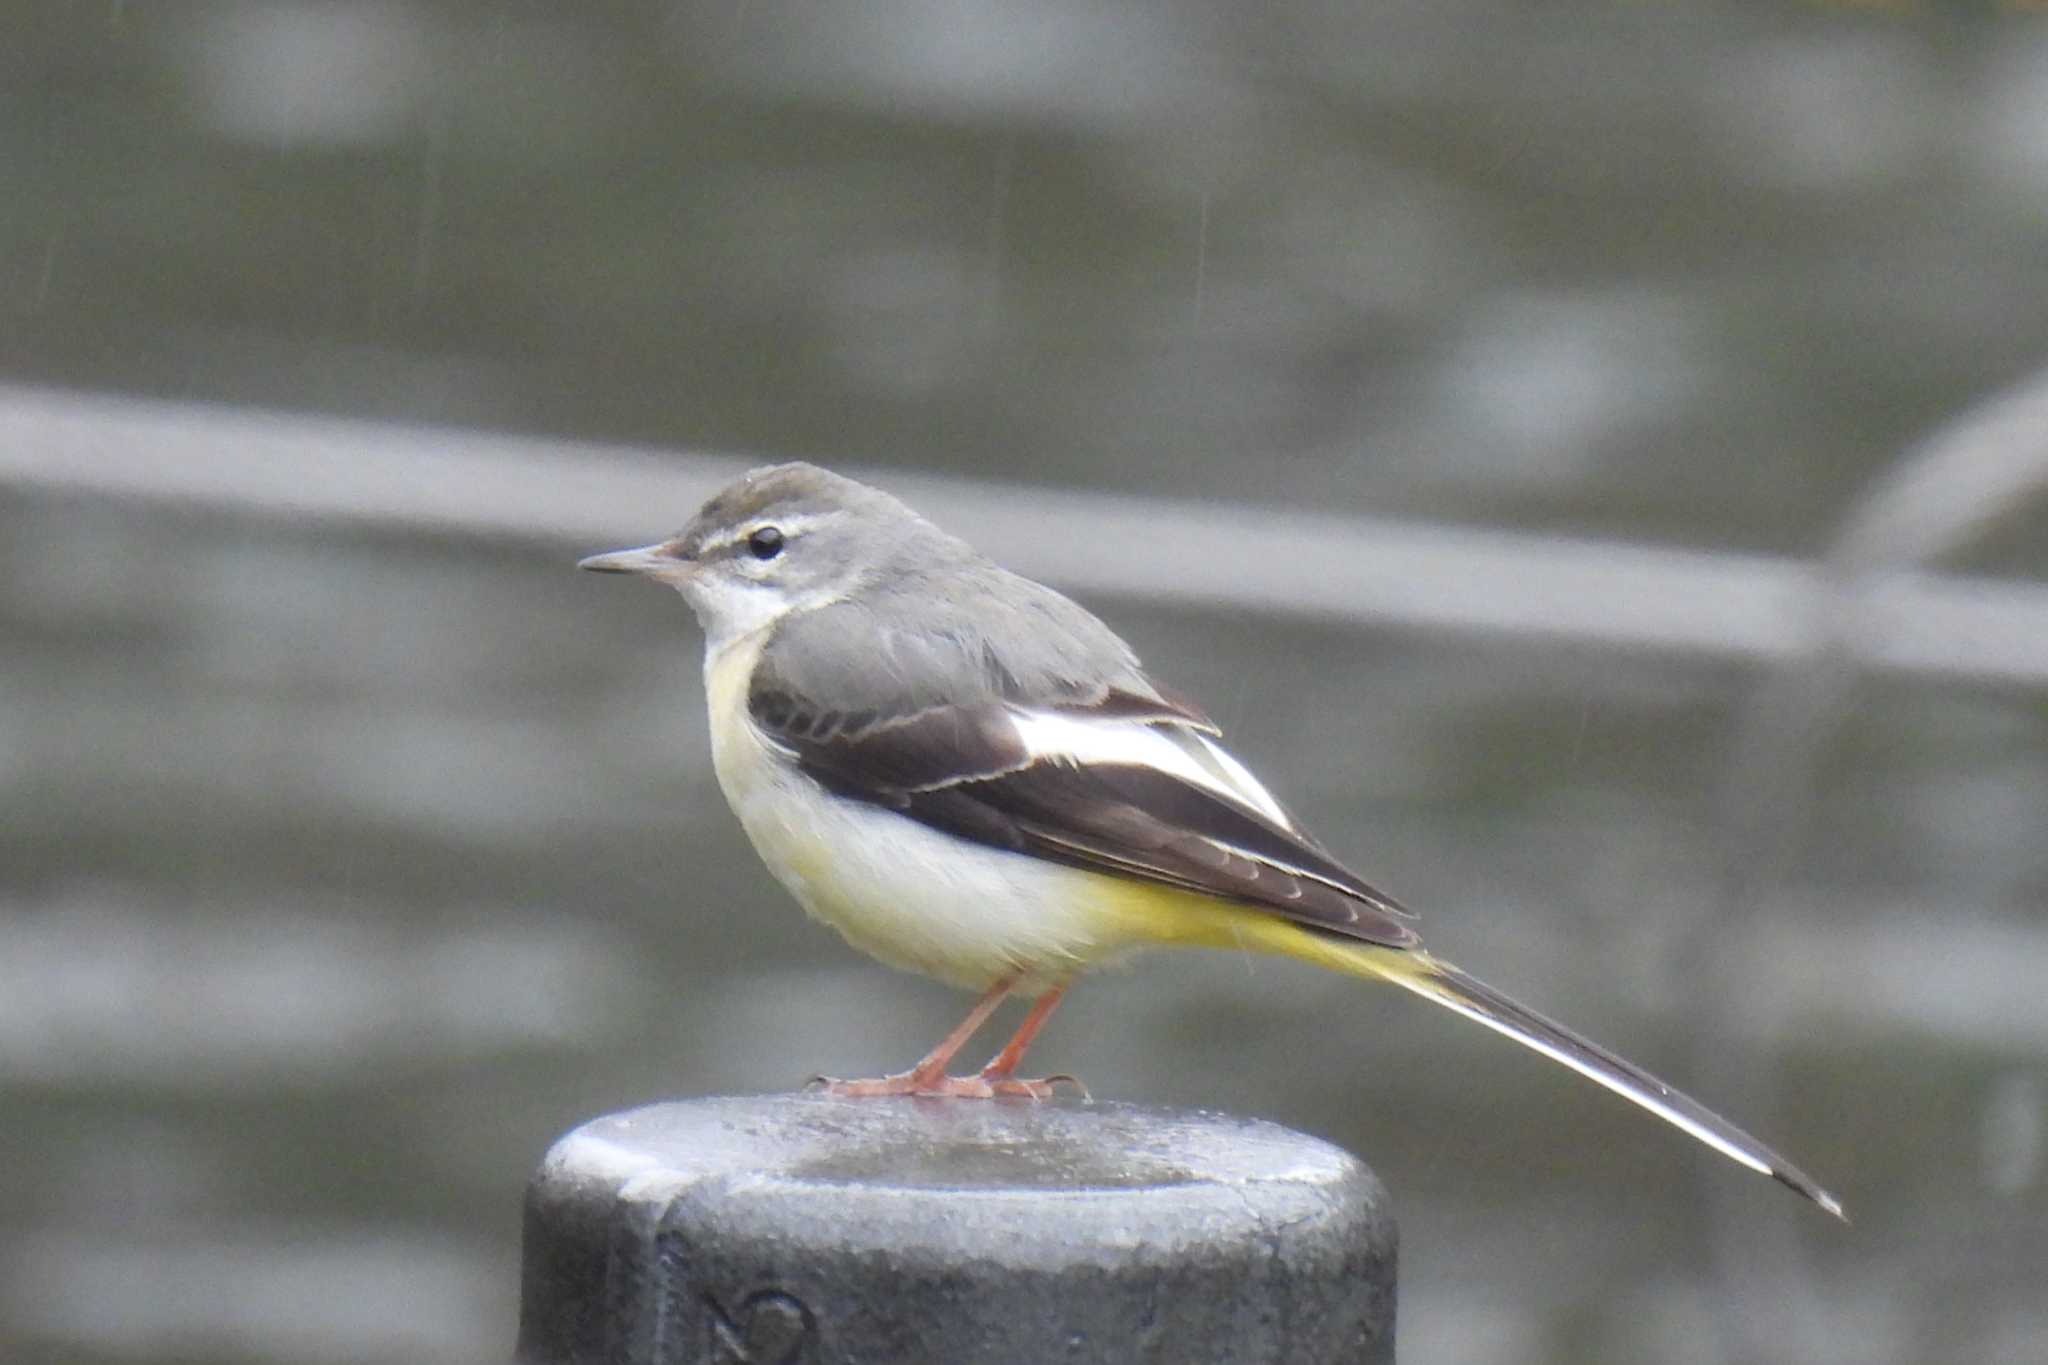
(1447, 986)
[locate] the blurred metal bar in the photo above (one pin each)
(1297, 563)
(1984, 465)
(805, 1228)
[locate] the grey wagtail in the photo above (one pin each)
(970, 776)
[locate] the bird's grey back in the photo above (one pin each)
(936, 623)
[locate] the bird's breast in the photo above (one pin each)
(912, 896)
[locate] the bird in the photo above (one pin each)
(970, 776)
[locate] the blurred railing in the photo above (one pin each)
(1987, 464)
(1351, 569)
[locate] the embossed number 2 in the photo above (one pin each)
(769, 1328)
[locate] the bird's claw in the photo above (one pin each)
(981, 1086)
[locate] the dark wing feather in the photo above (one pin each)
(1152, 826)
(965, 769)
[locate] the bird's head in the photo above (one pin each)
(786, 538)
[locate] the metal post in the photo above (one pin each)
(808, 1230)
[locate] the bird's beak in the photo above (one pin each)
(659, 559)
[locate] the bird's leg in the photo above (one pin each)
(929, 1076)
(1000, 1074)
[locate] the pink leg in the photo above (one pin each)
(999, 1077)
(1003, 1065)
(929, 1076)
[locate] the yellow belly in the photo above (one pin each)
(923, 900)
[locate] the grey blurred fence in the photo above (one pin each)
(1350, 569)
(1984, 466)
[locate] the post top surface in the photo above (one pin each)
(964, 1147)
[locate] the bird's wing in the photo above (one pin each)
(1124, 784)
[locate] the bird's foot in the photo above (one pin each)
(984, 1085)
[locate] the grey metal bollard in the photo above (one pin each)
(808, 1230)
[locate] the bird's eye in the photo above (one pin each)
(765, 543)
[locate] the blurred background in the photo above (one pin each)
(1457, 397)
